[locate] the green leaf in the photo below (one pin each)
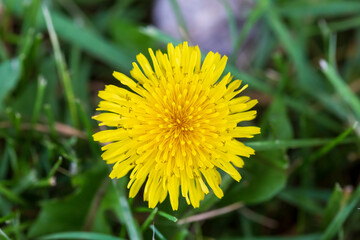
(108, 203)
(309, 80)
(333, 205)
(161, 213)
(296, 143)
(332, 144)
(90, 41)
(341, 216)
(265, 173)
(149, 219)
(341, 87)
(63, 72)
(344, 25)
(180, 18)
(69, 214)
(79, 235)
(260, 183)
(318, 8)
(157, 233)
(12, 196)
(9, 75)
(251, 20)
(130, 223)
(279, 121)
(134, 41)
(3, 235)
(297, 199)
(301, 237)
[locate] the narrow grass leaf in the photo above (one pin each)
(345, 25)
(7, 217)
(253, 82)
(3, 52)
(341, 87)
(251, 20)
(79, 235)
(180, 19)
(61, 66)
(246, 226)
(294, 143)
(158, 35)
(38, 99)
(4, 163)
(305, 108)
(342, 215)
(292, 46)
(85, 120)
(157, 233)
(31, 11)
(332, 144)
(9, 75)
(80, 36)
(333, 205)
(87, 39)
(231, 21)
(25, 45)
(55, 167)
(309, 80)
(50, 120)
(332, 50)
(3, 235)
(301, 237)
(130, 223)
(161, 213)
(319, 8)
(298, 200)
(149, 219)
(11, 195)
(168, 216)
(69, 213)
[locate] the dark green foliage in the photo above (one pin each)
(303, 183)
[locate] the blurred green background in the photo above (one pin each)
(303, 66)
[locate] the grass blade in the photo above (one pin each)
(55, 167)
(301, 237)
(158, 35)
(161, 213)
(334, 204)
(231, 21)
(320, 8)
(4, 235)
(341, 87)
(39, 100)
(149, 219)
(345, 24)
(79, 235)
(157, 233)
(180, 19)
(251, 20)
(130, 223)
(61, 66)
(342, 215)
(9, 71)
(301, 202)
(294, 143)
(11, 195)
(332, 144)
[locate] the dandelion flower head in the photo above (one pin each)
(176, 125)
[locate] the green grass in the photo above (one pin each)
(303, 183)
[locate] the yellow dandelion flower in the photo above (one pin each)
(176, 126)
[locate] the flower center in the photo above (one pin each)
(181, 123)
